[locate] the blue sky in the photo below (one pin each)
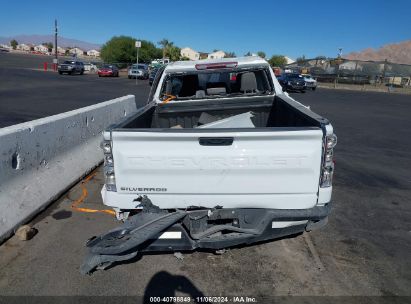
(293, 28)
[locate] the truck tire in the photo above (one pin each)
(82, 72)
(314, 88)
(61, 73)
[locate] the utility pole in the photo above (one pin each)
(138, 45)
(56, 60)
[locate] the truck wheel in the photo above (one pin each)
(82, 72)
(302, 91)
(314, 88)
(61, 73)
(129, 77)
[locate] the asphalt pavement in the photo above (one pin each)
(27, 92)
(363, 251)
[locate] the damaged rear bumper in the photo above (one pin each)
(156, 230)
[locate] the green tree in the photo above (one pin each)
(184, 58)
(14, 44)
(49, 45)
(148, 51)
(229, 55)
(277, 61)
(164, 44)
(173, 52)
(261, 54)
(121, 49)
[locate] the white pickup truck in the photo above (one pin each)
(218, 157)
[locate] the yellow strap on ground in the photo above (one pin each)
(84, 194)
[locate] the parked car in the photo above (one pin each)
(310, 81)
(138, 71)
(71, 67)
(218, 157)
(3, 50)
(153, 73)
(90, 67)
(292, 82)
(108, 70)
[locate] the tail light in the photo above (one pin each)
(109, 176)
(328, 163)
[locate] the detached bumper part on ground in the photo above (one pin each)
(202, 228)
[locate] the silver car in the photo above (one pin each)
(138, 71)
(310, 82)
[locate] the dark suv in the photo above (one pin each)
(71, 67)
(292, 82)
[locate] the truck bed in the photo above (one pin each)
(269, 112)
(274, 165)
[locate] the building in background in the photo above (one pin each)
(289, 60)
(216, 55)
(93, 53)
(190, 53)
(60, 50)
(41, 48)
(23, 47)
(76, 51)
(5, 46)
(203, 55)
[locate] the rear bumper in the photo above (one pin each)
(277, 224)
(156, 230)
(297, 87)
(269, 222)
(311, 84)
(140, 76)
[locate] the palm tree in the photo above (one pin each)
(229, 55)
(164, 43)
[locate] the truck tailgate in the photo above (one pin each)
(256, 169)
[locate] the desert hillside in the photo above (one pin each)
(396, 52)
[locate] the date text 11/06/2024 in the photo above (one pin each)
(203, 299)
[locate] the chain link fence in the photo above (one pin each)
(382, 75)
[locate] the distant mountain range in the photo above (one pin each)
(62, 41)
(395, 52)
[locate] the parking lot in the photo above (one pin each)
(363, 251)
(27, 92)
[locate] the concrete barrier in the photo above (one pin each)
(41, 159)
